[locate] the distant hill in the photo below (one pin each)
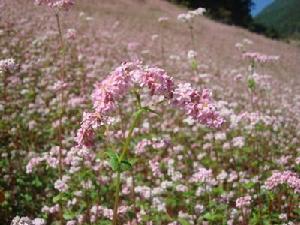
(283, 16)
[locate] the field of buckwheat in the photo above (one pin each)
(132, 119)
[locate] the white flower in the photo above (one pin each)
(192, 54)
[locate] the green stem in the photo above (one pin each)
(136, 120)
(117, 197)
(192, 36)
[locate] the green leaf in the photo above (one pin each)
(183, 221)
(69, 215)
(56, 198)
(194, 64)
(251, 84)
(113, 160)
(213, 217)
(36, 182)
(125, 165)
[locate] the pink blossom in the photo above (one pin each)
(57, 4)
(238, 142)
(61, 184)
(108, 92)
(243, 202)
(38, 221)
(7, 65)
(85, 135)
(197, 104)
(71, 34)
(260, 58)
(33, 163)
(202, 175)
(286, 177)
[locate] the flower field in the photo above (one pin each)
(157, 116)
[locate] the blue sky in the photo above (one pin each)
(259, 5)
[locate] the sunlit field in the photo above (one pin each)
(141, 112)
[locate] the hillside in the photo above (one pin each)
(283, 16)
(215, 41)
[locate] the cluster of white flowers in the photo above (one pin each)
(190, 15)
(7, 65)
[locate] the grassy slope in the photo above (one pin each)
(216, 41)
(283, 15)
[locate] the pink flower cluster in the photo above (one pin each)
(85, 134)
(57, 4)
(243, 202)
(260, 58)
(50, 209)
(71, 34)
(77, 157)
(7, 65)
(100, 211)
(26, 221)
(61, 184)
(286, 177)
(51, 158)
(197, 104)
(109, 91)
(202, 175)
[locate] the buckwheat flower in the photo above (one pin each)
(220, 136)
(197, 104)
(57, 4)
(154, 165)
(7, 65)
(226, 146)
(238, 77)
(61, 184)
(51, 210)
(38, 221)
(243, 202)
(163, 19)
(31, 125)
(239, 45)
(199, 208)
(282, 216)
(247, 41)
(156, 80)
(202, 175)
(144, 191)
(207, 146)
(154, 37)
(71, 222)
(222, 176)
(34, 162)
(184, 17)
(192, 54)
(181, 188)
(259, 57)
(59, 85)
(111, 89)
(238, 142)
(173, 223)
(85, 134)
(71, 34)
(287, 177)
(21, 221)
(198, 12)
(158, 204)
(75, 102)
(142, 146)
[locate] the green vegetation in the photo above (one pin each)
(286, 22)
